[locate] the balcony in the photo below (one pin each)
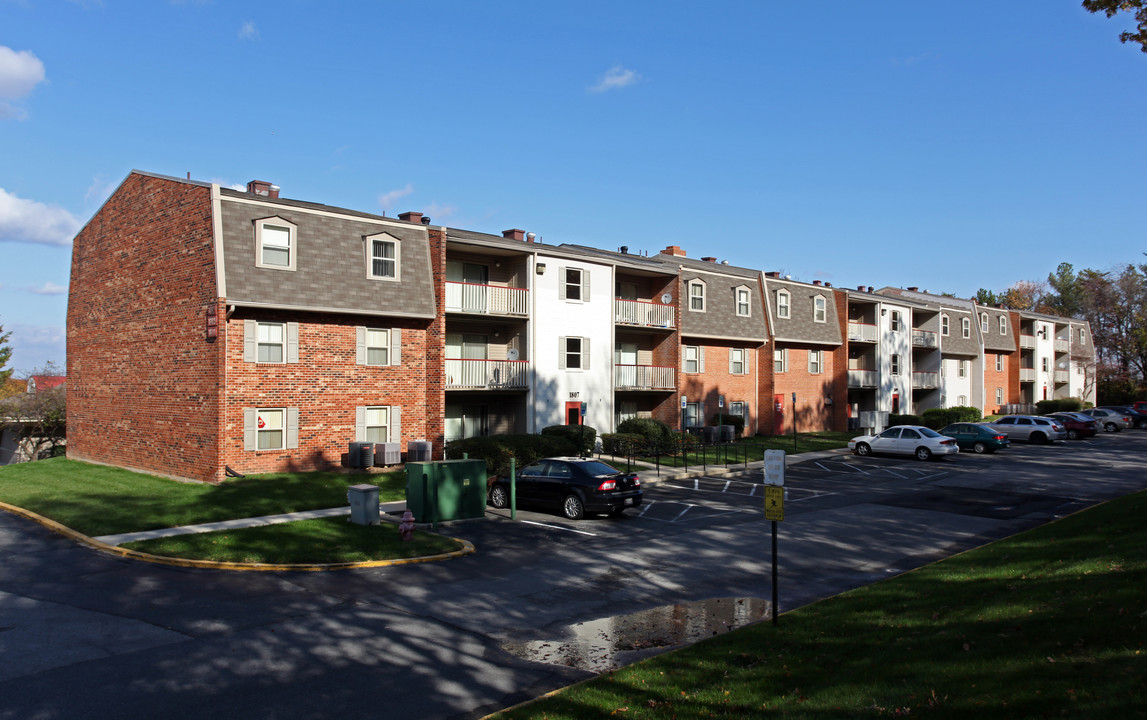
(925, 338)
(644, 377)
(862, 378)
(487, 299)
(643, 314)
(925, 380)
(861, 332)
(1062, 345)
(487, 374)
(1027, 374)
(1027, 342)
(1062, 376)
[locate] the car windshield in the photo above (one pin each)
(597, 469)
(929, 433)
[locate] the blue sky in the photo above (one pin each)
(949, 146)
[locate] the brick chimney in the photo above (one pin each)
(912, 289)
(827, 283)
(816, 282)
(264, 188)
(411, 216)
(514, 234)
(674, 251)
(773, 274)
(860, 288)
(709, 259)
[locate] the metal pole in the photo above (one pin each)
(775, 612)
(513, 490)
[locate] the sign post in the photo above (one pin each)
(775, 506)
(581, 416)
(794, 422)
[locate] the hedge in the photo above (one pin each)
(937, 418)
(582, 436)
(648, 428)
(905, 420)
(1043, 407)
(498, 450)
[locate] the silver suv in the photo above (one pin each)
(1030, 428)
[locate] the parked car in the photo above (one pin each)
(1138, 419)
(1077, 426)
(574, 486)
(905, 440)
(1110, 420)
(1029, 428)
(1139, 406)
(977, 438)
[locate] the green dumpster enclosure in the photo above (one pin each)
(446, 490)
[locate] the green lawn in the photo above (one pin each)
(1051, 623)
(101, 500)
(326, 540)
(753, 449)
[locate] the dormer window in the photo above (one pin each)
(819, 309)
(784, 304)
(741, 296)
(382, 257)
(966, 327)
(983, 322)
(275, 244)
(1003, 325)
(696, 296)
(944, 325)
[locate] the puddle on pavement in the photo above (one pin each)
(609, 643)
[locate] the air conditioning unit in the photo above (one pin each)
(388, 453)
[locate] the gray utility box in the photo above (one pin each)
(363, 501)
(388, 453)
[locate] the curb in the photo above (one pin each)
(467, 549)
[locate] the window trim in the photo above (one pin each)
(744, 361)
(366, 426)
(823, 311)
(984, 323)
(786, 306)
(999, 396)
(945, 324)
(894, 364)
(368, 246)
(367, 347)
(292, 247)
(251, 431)
(895, 323)
(582, 284)
(1003, 323)
(965, 328)
(962, 368)
(737, 301)
(582, 352)
(784, 359)
(699, 359)
(696, 283)
(816, 357)
(251, 342)
(999, 362)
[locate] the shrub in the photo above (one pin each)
(648, 428)
(624, 444)
(498, 450)
(582, 436)
(937, 418)
(1043, 407)
(905, 420)
(736, 421)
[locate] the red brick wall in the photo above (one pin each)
(716, 381)
(996, 379)
(813, 412)
(667, 353)
(143, 388)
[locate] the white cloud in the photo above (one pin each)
(248, 31)
(35, 345)
(616, 78)
(28, 221)
(20, 72)
(386, 200)
(49, 288)
(440, 212)
(100, 189)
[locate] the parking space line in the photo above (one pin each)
(559, 527)
(853, 467)
(727, 484)
(822, 467)
(680, 514)
(890, 472)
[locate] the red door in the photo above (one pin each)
(573, 413)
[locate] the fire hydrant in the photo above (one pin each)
(406, 527)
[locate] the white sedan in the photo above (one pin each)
(905, 440)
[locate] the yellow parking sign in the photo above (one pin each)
(774, 503)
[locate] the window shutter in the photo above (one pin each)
(585, 285)
(585, 353)
(292, 342)
(730, 361)
(395, 346)
(359, 423)
(562, 353)
(561, 283)
(395, 424)
(250, 341)
(700, 359)
(360, 345)
(250, 417)
(292, 428)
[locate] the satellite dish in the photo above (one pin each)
(512, 354)
(666, 299)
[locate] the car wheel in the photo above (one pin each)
(572, 507)
(923, 453)
(499, 497)
(1110, 427)
(1038, 438)
(979, 448)
(863, 449)
(1072, 434)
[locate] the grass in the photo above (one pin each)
(1049, 623)
(100, 500)
(326, 540)
(753, 449)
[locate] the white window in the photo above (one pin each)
(275, 244)
(1003, 325)
(983, 322)
(383, 257)
(693, 415)
(572, 284)
(1082, 336)
(377, 347)
(999, 396)
(737, 364)
(783, 304)
(573, 353)
(268, 342)
(380, 346)
(819, 309)
(895, 364)
(999, 362)
(962, 368)
(694, 359)
(1043, 364)
(944, 325)
(743, 304)
(815, 362)
(780, 360)
(895, 324)
(961, 400)
(696, 296)
(377, 425)
(966, 327)
(270, 428)
(740, 409)
(272, 342)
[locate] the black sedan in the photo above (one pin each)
(574, 486)
(977, 438)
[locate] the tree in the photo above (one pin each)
(986, 297)
(1065, 298)
(1112, 7)
(5, 355)
(1022, 295)
(38, 420)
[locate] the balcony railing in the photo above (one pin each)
(1027, 342)
(925, 380)
(862, 378)
(487, 374)
(644, 377)
(643, 314)
(487, 299)
(1027, 374)
(1062, 376)
(1062, 345)
(925, 338)
(862, 332)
